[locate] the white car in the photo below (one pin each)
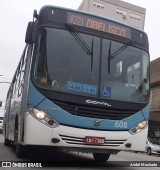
(1, 124)
(152, 146)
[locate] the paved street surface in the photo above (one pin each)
(76, 161)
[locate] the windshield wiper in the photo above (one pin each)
(92, 55)
(111, 56)
(81, 41)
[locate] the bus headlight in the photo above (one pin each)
(43, 117)
(138, 128)
(40, 115)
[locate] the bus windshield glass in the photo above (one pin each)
(63, 65)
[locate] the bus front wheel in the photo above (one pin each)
(20, 150)
(149, 151)
(7, 142)
(101, 157)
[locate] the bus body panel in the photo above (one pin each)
(17, 98)
(12, 114)
(65, 118)
(36, 133)
(73, 138)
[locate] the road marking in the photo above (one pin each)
(119, 159)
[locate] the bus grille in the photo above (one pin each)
(81, 141)
(94, 112)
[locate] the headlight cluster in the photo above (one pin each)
(138, 128)
(43, 117)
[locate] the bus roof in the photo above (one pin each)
(91, 14)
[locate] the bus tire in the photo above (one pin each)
(7, 142)
(101, 157)
(20, 150)
(149, 151)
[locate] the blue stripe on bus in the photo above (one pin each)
(65, 118)
(34, 96)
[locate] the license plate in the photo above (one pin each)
(94, 140)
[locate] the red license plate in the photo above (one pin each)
(94, 140)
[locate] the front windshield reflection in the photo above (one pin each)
(127, 78)
(63, 65)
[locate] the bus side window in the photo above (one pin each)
(20, 77)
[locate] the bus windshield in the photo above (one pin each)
(63, 65)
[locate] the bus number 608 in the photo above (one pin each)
(121, 124)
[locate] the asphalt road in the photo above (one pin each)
(77, 161)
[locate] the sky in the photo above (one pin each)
(15, 15)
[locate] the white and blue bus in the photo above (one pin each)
(82, 84)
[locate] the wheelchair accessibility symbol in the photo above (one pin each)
(106, 91)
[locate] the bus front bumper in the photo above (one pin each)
(73, 139)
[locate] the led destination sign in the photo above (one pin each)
(98, 24)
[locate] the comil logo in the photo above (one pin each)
(98, 103)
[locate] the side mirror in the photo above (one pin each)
(0, 103)
(30, 33)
